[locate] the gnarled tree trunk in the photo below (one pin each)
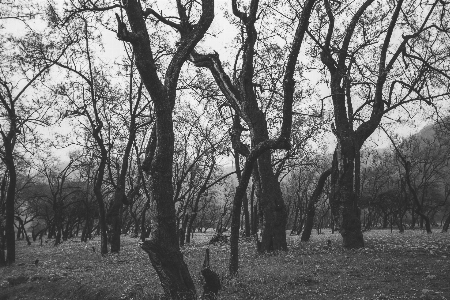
(163, 248)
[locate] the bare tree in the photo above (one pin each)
(361, 60)
(163, 247)
(17, 114)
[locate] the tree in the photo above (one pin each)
(18, 77)
(241, 98)
(163, 247)
(135, 110)
(89, 96)
(367, 79)
(196, 171)
(312, 205)
(424, 161)
(58, 194)
(241, 95)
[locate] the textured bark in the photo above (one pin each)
(312, 205)
(351, 231)
(171, 269)
(273, 207)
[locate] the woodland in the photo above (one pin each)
(224, 149)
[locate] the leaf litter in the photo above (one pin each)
(413, 265)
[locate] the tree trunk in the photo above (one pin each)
(9, 205)
(246, 216)
(2, 229)
(413, 217)
(253, 212)
(334, 193)
(143, 229)
(294, 224)
(255, 220)
(312, 203)
(21, 229)
(87, 227)
(2, 244)
(57, 221)
(114, 219)
(385, 220)
(235, 216)
(182, 230)
(271, 198)
(101, 205)
(351, 224)
(400, 223)
(189, 228)
(163, 247)
(446, 224)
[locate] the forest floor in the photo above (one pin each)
(413, 265)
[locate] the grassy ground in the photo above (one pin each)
(412, 265)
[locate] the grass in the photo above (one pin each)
(412, 265)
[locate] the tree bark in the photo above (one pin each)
(271, 202)
(351, 224)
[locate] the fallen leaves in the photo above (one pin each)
(412, 265)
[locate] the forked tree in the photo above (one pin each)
(163, 248)
(242, 98)
(371, 71)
